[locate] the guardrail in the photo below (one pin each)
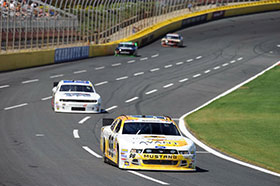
(30, 58)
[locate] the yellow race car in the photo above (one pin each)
(146, 143)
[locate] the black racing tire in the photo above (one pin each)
(105, 159)
(118, 156)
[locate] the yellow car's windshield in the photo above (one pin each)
(150, 128)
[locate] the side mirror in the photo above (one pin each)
(107, 121)
(55, 84)
(54, 90)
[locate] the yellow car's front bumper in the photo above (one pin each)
(158, 162)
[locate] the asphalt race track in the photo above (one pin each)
(43, 148)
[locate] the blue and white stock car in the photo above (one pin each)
(75, 96)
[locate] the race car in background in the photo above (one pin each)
(146, 143)
(172, 40)
(75, 96)
(127, 48)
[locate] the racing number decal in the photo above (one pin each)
(111, 146)
(112, 139)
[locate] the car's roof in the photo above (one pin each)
(145, 118)
(78, 82)
(172, 34)
(127, 43)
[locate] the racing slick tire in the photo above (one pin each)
(118, 157)
(105, 159)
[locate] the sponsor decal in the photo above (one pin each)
(76, 81)
(124, 150)
(70, 54)
(160, 147)
(124, 156)
(77, 95)
(218, 14)
(159, 156)
(177, 143)
(194, 20)
(126, 163)
(154, 137)
(132, 155)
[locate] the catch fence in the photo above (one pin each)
(35, 24)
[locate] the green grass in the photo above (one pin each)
(246, 123)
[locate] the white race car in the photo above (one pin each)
(172, 40)
(129, 48)
(75, 96)
(146, 142)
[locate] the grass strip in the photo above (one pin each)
(246, 123)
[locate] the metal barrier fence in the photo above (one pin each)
(35, 24)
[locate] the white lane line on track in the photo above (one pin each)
(138, 73)
(56, 76)
(216, 68)
(239, 59)
(154, 69)
(132, 99)
(131, 61)
(198, 57)
(16, 106)
(116, 64)
(80, 71)
(196, 75)
(180, 63)
(233, 61)
(76, 133)
(168, 85)
(207, 71)
(91, 152)
(212, 151)
(152, 91)
(189, 60)
(168, 66)
(143, 59)
(39, 135)
(84, 119)
(46, 98)
(148, 178)
(225, 64)
(101, 83)
(111, 108)
(183, 80)
(121, 78)
(4, 86)
(156, 55)
(202, 152)
(99, 68)
(30, 81)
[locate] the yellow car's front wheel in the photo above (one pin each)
(105, 159)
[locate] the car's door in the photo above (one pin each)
(113, 138)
